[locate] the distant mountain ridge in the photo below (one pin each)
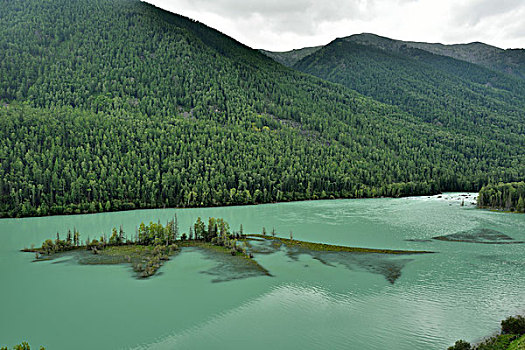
(437, 89)
(509, 61)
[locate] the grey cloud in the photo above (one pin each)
(474, 12)
(296, 16)
(287, 24)
(517, 34)
(233, 8)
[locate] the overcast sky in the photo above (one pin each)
(280, 25)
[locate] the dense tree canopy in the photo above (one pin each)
(449, 93)
(507, 196)
(111, 105)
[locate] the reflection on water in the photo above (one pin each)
(389, 266)
(229, 268)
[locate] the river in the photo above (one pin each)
(461, 291)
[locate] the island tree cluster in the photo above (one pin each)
(152, 244)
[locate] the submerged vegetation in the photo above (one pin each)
(512, 337)
(387, 263)
(503, 196)
(334, 248)
(479, 235)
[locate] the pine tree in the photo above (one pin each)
(175, 227)
(121, 235)
(520, 207)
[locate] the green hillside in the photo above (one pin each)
(440, 90)
(109, 105)
(510, 61)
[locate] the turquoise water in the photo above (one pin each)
(463, 291)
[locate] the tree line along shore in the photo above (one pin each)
(503, 196)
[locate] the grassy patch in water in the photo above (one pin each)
(132, 253)
(336, 248)
(388, 263)
(230, 266)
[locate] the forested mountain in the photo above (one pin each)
(115, 104)
(437, 89)
(510, 61)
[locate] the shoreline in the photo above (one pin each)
(233, 205)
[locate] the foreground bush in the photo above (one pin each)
(513, 325)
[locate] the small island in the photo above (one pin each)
(155, 243)
(150, 247)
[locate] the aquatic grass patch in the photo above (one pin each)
(228, 266)
(145, 260)
(336, 248)
(209, 247)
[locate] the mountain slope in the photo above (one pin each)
(108, 105)
(437, 89)
(510, 61)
